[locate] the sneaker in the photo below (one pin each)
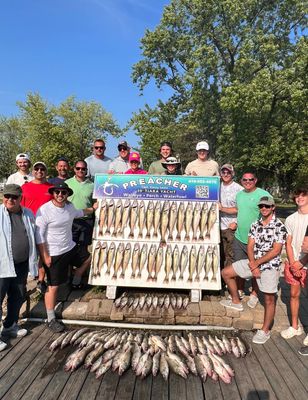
(41, 287)
(290, 332)
(2, 345)
(303, 351)
(241, 295)
(228, 304)
(305, 341)
(56, 326)
(14, 331)
(253, 301)
(261, 337)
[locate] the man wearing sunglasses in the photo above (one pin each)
(57, 249)
(23, 175)
(98, 163)
(81, 198)
(121, 163)
(18, 258)
(266, 239)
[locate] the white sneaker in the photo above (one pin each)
(291, 332)
(305, 341)
(228, 304)
(261, 337)
(241, 295)
(14, 331)
(253, 301)
(2, 345)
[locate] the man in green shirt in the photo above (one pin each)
(156, 167)
(82, 199)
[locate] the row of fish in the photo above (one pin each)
(166, 220)
(198, 263)
(150, 301)
(149, 353)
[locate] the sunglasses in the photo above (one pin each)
(80, 169)
(40, 169)
(63, 192)
(225, 173)
(123, 148)
(11, 196)
(99, 147)
(264, 206)
(248, 179)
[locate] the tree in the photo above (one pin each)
(237, 74)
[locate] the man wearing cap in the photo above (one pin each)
(156, 167)
(266, 239)
(18, 258)
(57, 249)
(98, 163)
(202, 166)
(228, 211)
(62, 168)
(121, 163)
(134, 162)
(172, 166)
(23, 175)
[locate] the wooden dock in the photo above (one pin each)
(29, 371)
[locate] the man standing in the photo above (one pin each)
(23, 175)
(266, 238)
(18, 257)
(98, 163)
(247, 212)
(295, 272)
(228, 211)
(156, 167)
(62, 168)
(202, 166)
(121, 163)
(81, 198)
(57, 249)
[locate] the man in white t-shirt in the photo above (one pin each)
(202, 166)
(98, 163)
(23, 175)
(57, 249)
(228, 211)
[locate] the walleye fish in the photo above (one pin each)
(190, 361)
(171, 344)
(192, 262)
(168, 263)
(141, 219)
(196, 220)
(93, 355)
(188, 219)
(102, 216)
(177, 365)
(156, 360)
(149, 218)
(180, 220)
(172, 219)
(78, 334)
(227, 344)
(224, 364)
(173, 300)
(235, 348)
(193, 344)
(215, 264)
(207, 363)
(136, 356)
(163, 366)
(175, 261)
(183, 261)
(102, 258)
(161, 300)
(179, 302)
(133, 218)
(143, 258)
(200, 262)
(118, 217)
(145, 365)
(158, 261)
(211, 219)
(241, 346)
(220, 370)
(125, 216)
(104, 367)
(110, 257)
(95, 258)
(78, 358)
(135, 260)
(124, 301)
(96, 364)
(110, 354)
(151, 261)
(167, 301)
(216, 347)
(56, 343)
(157, 216)
(67, 339)
(124, 361)
(135, 303)
(148, 301)
(141, 302)
(208, 262)
(200, 368)
(181, 347)
(221, 345)
(164, 222)
(118, 259)
(155, 302)
(117, 302)
(185, 302)
(110, 216)
(126, 259)
(203, 221)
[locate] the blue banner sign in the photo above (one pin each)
(155, 187)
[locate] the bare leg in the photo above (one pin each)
(269, 311)
(51, 297)
(86, 264)
(240, 283)
(229, 276)
(255, 288)
(294, 305)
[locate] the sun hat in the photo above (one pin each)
(61, 186)
(170, 161)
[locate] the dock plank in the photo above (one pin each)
(126, 385)
(194, 388)
(243, 380)
(159, 388)
(212, 390)
(177, 387)
(89, 387)
(74, 384)
(143, 388)
(108, 386)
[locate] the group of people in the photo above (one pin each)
(53, 218)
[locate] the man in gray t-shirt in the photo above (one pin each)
(98, 163)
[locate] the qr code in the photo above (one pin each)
(202, 192)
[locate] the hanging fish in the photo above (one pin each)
(151, 261)
(188, 219)
(203, 221)
(158, 261)
(164, 222)
(141, 219)
(192, 262)
(200, 262)
(133, 218)
(168, 263)
(175, 261)
(180, 220)
(96, 254)
(118, 217)
(110, 257)
(110, 216)
(215, 264)
(102, 216)
(125, 216)
(118, 260)
(196, 220)
(208, 262)
(143, 258)
(149, 218)
(172, 219)
(157, 216)
(211, 219)
(135, 260)
(126, 259)
(102, 258)
(183, 261)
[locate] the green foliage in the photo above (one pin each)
(237, 73)
(47, 131)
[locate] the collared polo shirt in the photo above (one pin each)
(83, 191)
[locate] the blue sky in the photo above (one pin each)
(84, 48)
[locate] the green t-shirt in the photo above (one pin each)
(156, 168)
(247, 211)
(82, 196)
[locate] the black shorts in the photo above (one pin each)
(239, 250)
(57, 273)
(82, 230)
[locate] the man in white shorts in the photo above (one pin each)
(266, 239)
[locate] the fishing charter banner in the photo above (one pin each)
(154, 187)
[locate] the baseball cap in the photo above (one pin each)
(12, 188)
(266, 200)
(123, 143)
(229, 167)
(40, 163)
(22, 156)
(202, 146)
(134, 157)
